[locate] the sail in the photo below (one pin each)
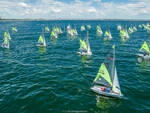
(145, 48)
(46, 29)
(14, 29)
(89, 27)
(124, 33)
(6, 41)
(106, 33)
(119, 27)
(88, 44)
(116, 86)
(99, 30)
(40, 39)
(82, 28)
(105, 74)
(83, 44)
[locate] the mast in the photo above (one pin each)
(112, 72)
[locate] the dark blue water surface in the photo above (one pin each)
(57, 79)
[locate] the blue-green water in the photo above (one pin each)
(58, 80)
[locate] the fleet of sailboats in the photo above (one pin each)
(106, 82)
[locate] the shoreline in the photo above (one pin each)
(75, 19)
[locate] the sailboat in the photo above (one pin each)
(85, 47)
(106, 82)
(6, 34)
(69, 30)
(131, 30)
(5, 44)
(47, 29)
(134, 29)
(145, 53)
(99, 30)
(119, 27)
(14, 29)
(54, 35)
(124, 34)
(147, 28)
(82, 28)
(88, 27)
(41, 41)
(107, 35)
(140, 26)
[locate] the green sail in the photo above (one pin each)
(103, 72)
(6, 40)
(53, 33)
(41, 40)
(6, 34)
(106, 33)
(83, 44)
(14, 29)
(46, 29)
(145, 48)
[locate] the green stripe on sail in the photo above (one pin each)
(83, 44)
(103, 72)
(145, 47)
(40, 39)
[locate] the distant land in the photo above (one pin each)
(75, 19)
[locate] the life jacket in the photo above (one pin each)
(102, 88)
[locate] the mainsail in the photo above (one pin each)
(14, 29)
(88, 44)
(47, 29)
(41, 40)
(83, 45)
(5, 44)
(99, 30)
(124, 33)
(106, 71)
(82, 28)
(145, 48)
(106, 33)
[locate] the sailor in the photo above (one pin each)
(145, 54)
(103, 88)
(41, 43)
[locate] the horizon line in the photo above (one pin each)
(42, 19)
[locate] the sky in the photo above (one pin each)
(75, 9)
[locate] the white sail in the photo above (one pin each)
(116, 86)
(88, 46)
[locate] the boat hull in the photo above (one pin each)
(84, 53)
(97, 89)
(142, 58)
(5, 46)
(38, 45)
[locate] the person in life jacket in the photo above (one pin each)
(103, 88)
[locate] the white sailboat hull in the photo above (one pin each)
(107, 38)
(97, 89)
(84, 53)
(142, 58)
(5, 46)
(38, 45)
